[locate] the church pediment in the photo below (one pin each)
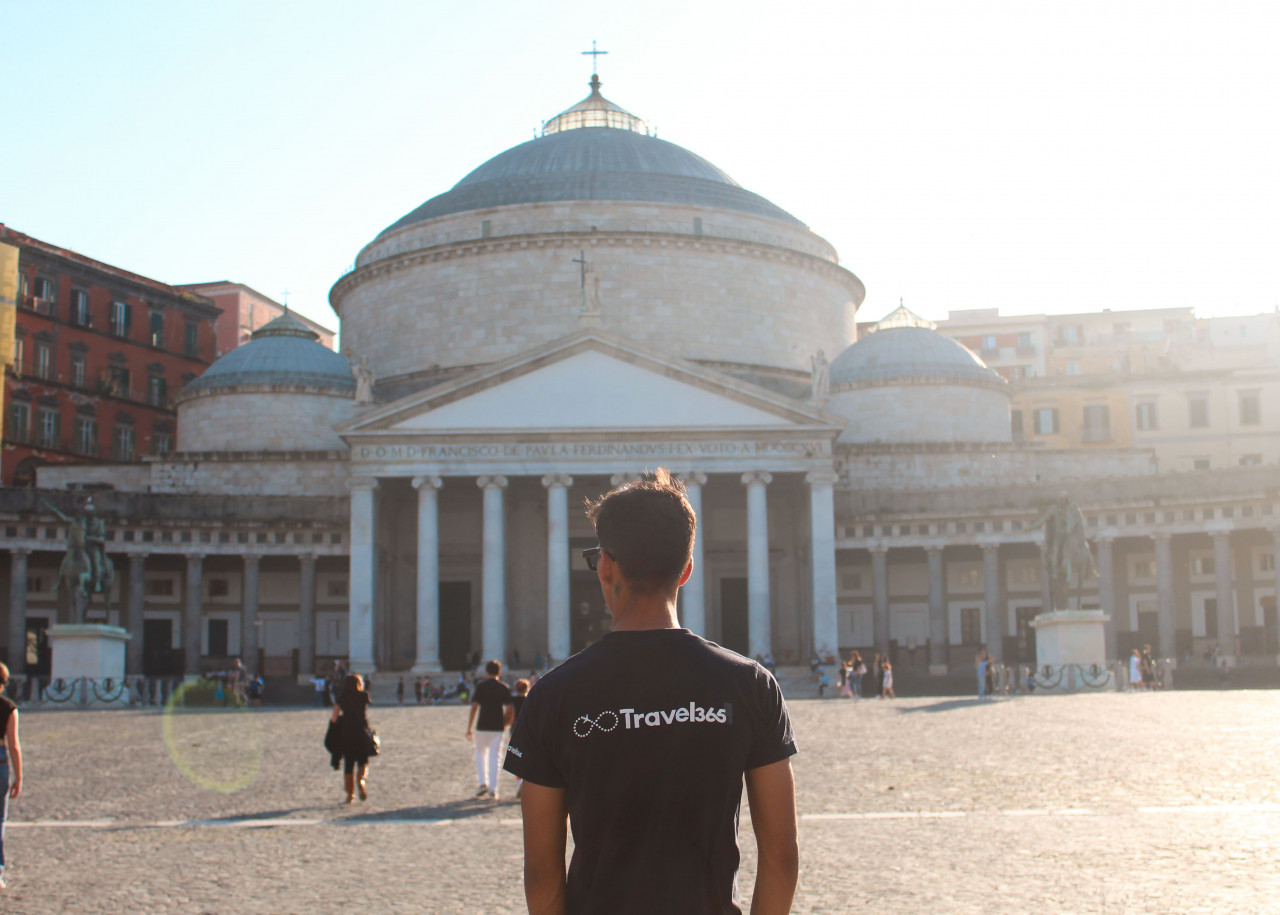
(590, 382)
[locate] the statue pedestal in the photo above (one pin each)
(88, 665)
(1071, 652)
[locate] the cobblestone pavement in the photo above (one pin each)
(1111, 803)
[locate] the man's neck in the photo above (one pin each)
(638, 612)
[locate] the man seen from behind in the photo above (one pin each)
(641, 742)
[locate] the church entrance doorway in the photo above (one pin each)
(157, 648)
(588, 617)
(734, 629)
(455, 625)
(1270, 627)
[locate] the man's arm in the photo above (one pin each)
(508, 714)
(475, 707)
(14, 748)
(545, 833)
(771, 794)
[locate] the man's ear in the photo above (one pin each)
(688, 570)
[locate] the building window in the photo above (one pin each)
(219, 587)
(120, 315)
(80, 307)
(156, 329)
(1015, 421)
(1198, 404)
(19, 429)
(1143, 569)
(1024, 340)
(1267, 562)
(44, 360)
(336, 587)
(1144, 417)
(158, 587)
(157, 391)
(970, 626)
(123, 443)
(45, 296)
(1250, 460)
(989, 343)
(1250, 408)
(1073, 367)
(1200, 463)
(1202, 565)
(19, 353)
(191, 338)
(1097, 423)
(50, 429)
(86, 435)
(217, 639)
(118, 381)
(161, 442)
(1046, 421)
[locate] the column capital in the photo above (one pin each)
(619, 479)
(19, 551)
(757, 476)
(1219, 529)
(878, 547)
(195, 557)
(693, 478)
(308, 557)
(428, 483)
(491, 482)
(1161, 536)
(366, 483)
(931, 548)
(557, 479)
(1106, 535)
(989, 545)
(821, 478)
(251, 557)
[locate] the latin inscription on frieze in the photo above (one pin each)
(588, 450)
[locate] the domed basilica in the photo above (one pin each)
(581, 308)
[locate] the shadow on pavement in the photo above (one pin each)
(456, 810)
(947, 706)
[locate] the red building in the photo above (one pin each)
(244, 310)
(98, 355)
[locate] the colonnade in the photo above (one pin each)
(493, 565)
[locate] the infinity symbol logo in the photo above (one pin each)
(606, 721)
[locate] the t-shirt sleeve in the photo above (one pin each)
(773, 739)
(531, 750)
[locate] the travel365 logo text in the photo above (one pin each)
(609, 720)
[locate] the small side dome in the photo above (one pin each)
(905, 383)
(282, 352)
(906, 346)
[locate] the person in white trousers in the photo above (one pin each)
(492, 711)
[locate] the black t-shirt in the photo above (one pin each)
(491, 695)
(7, 708)
(650, 733)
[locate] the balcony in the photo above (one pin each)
(1092, 435)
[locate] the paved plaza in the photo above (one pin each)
(1112, 803)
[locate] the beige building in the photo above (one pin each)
(580, 308)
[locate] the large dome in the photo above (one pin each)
(595, 223)
(595, 150)
(595, 163)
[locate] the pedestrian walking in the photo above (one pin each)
(984, 663)
(643, 740)
(355, 741)
(886, 691)
(1135, 671)
(491, 711)
(845, 679)
(10, 761)
(400, 692)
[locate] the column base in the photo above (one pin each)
(422, 668)
(938, 670)
(362, 667)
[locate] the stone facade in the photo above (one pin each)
(922, 412)
(263, 419)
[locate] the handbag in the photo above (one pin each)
(372, 742)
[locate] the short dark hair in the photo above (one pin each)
(493, 668)
(647, 527)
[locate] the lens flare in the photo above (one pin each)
(216, 749)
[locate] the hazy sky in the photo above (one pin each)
(1031, 156)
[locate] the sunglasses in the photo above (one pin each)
(592, 556)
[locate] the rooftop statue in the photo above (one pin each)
(364, 381)
(1068, 560)
(821, 371)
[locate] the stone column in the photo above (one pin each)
(307, 616)
(363, 568)
(1275, 562)
(619, 479)
(493, 627)
(133, 621)
(880, 592)
(695, 589)
(997, 618)
(249, 640)
(18, 612)
(1223, 567)
(1164, 594)
(759, 624)
(1107, 590)
(427, 655)
(558, 632)
(939, 637)
(193, 616)
(822, 522)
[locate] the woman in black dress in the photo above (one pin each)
(350, 714)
